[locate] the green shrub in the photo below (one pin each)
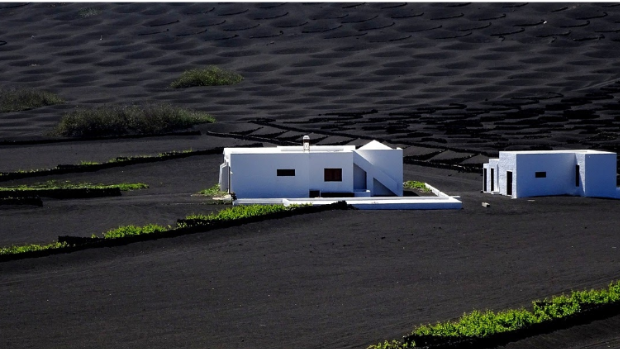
(24, 99)
(240, 212)
(118, 120)
(236, 212)
(89, 12)
(132, 230)
(210, 76)
(393, 344)
(68, 185)
(122, 159)
(10, 250)
(213, 191)
(421, 186)
(483, 324)
(558, 307)
(480, 324)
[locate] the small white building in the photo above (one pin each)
(307, 171)
(557, 172)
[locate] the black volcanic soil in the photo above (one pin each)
(450, 83)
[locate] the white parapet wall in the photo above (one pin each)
(438, 192)
(440, 202)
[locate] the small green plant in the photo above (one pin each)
(24, 99)
(132, 230)
(89, 12)
(239, 212)
(173, 153)
(210, 76)
(118, 120)
(234, 213)
(10, 250)
(213, 191)
(421, 186)
(59, 185)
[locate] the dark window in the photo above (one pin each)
(333, 175)
(541, 174)
(577, 175)
(286, 173)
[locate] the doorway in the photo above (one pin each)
(509, 183)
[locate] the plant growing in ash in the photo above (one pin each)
(210, 76)
(119, 120)
(481, 324)
(89, 12)
(213, 191)
(415, 185)
(12, 100)
(58, 185)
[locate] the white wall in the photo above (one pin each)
(560, 174)
(359, 178)
(224, 177)
(599, 174)
(255, 175)
(485, 180)
(320, 161)
(580, 160)
(390, 161)
(493, 164)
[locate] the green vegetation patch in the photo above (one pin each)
(193, 223)
(478, 324)
(119, 120)
(20, 200)
(89, 12)
(228, 214)
(213, 191)
(61, 185)
(421, 186)
(118, 161)
(237, 212)
(132, 230)
(24, 99)
(12, 250)
(210, 76)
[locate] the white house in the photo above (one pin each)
(557, 172)
(313, 171)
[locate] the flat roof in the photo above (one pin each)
(566, 151)
(292, 149)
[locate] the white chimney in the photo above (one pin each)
(306, 143)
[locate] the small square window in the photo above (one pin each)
(541, 174)
(286, 172)
(333, 175)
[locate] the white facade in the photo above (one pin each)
(297, 172)
(557, 172)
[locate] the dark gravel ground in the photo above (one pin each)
(340, 279)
